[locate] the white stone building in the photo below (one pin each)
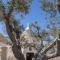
(30, 40)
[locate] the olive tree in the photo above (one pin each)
(7, 9)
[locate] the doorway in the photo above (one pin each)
(29, 56)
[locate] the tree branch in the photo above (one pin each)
(10, 30)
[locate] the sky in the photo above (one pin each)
(35, 14)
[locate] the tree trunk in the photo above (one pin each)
(17, 52)
(15, 48)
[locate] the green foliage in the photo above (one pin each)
(8, 7)
(20, 5)
(49, 6)
(37, 32)
(46, 5)
(23, 7)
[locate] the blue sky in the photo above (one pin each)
(35, 14)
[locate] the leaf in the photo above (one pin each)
(22, 6)
(49, 7)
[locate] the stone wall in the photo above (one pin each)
(6, 54)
